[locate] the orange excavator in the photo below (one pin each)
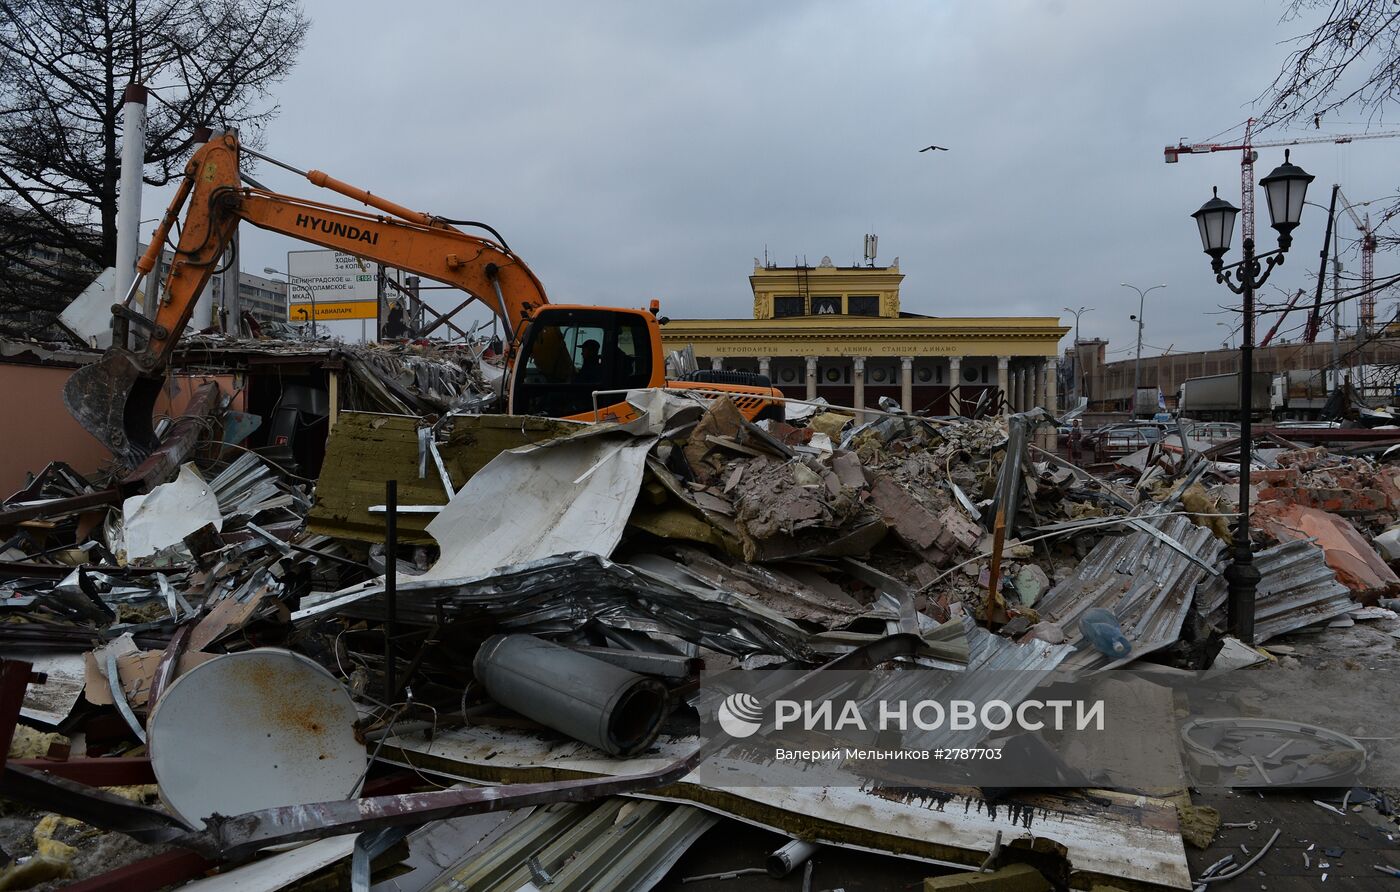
(572, 362)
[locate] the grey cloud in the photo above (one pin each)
(632, 150)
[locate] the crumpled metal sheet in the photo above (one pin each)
(532, 503)
(408, 382)
(167, 514)
(569, 494)
(560, 594)
(997, 669)
(1296, 589)
(1146, 584)
(248, 487)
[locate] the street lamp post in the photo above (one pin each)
(1077, 365)
(1285, 189)
(295, 282)
(1137, 366)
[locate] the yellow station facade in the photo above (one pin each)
(840, 333)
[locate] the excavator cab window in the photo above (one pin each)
(569, 354)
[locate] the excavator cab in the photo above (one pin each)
(569, 353)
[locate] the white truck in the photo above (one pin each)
(1147, 402)
(1217, 397)
(1302, 394)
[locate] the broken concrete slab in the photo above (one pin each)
(848, 469)
(1388, 544)
(722, 421)
(1031, 582)
(916, 526)
(784, 509)
(1355, 562)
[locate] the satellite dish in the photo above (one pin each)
(253, 730)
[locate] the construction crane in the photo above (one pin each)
(1288, 308)
(1367, 314)
(1247, 147)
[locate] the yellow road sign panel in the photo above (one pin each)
(332, 309)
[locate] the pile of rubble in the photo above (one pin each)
(495, 620)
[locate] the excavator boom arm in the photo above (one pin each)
(113, 398)
(218, 202)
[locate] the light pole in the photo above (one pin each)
(296, 282)
(1137, 366)
(1229, 333)
(1077, 365)
(1285, 189)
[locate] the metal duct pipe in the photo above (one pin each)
(598, 703)
(791, 856)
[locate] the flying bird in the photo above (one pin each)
(939, 148)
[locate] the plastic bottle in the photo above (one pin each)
(1101, 629)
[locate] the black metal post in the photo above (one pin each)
(1242, 576)
(391, 594)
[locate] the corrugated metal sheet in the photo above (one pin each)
(617, 844)
(559, 594)
(1296, 589)
(1147, 584)
(997, 669)
(1110, 835)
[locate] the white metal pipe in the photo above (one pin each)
(129, 198)
(791, 856)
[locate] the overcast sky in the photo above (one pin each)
(640, 150)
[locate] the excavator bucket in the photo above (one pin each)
(114, 400)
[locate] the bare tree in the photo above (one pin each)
(1348, 61)
(64, 65)
(1351, 59)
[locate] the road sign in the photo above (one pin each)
(336, 280)
(332, 309)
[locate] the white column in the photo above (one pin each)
(906, 383)
(1027, 387)
(129, 199)
(955, 383)
(1002, 384)
(811, 377)
(858, 377)
(232, 306)
(203, 314)
(763, 364)
(1052, 386)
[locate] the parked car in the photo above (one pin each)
(1212, 431)
(1115, 440)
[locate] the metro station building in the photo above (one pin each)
(840, 333)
